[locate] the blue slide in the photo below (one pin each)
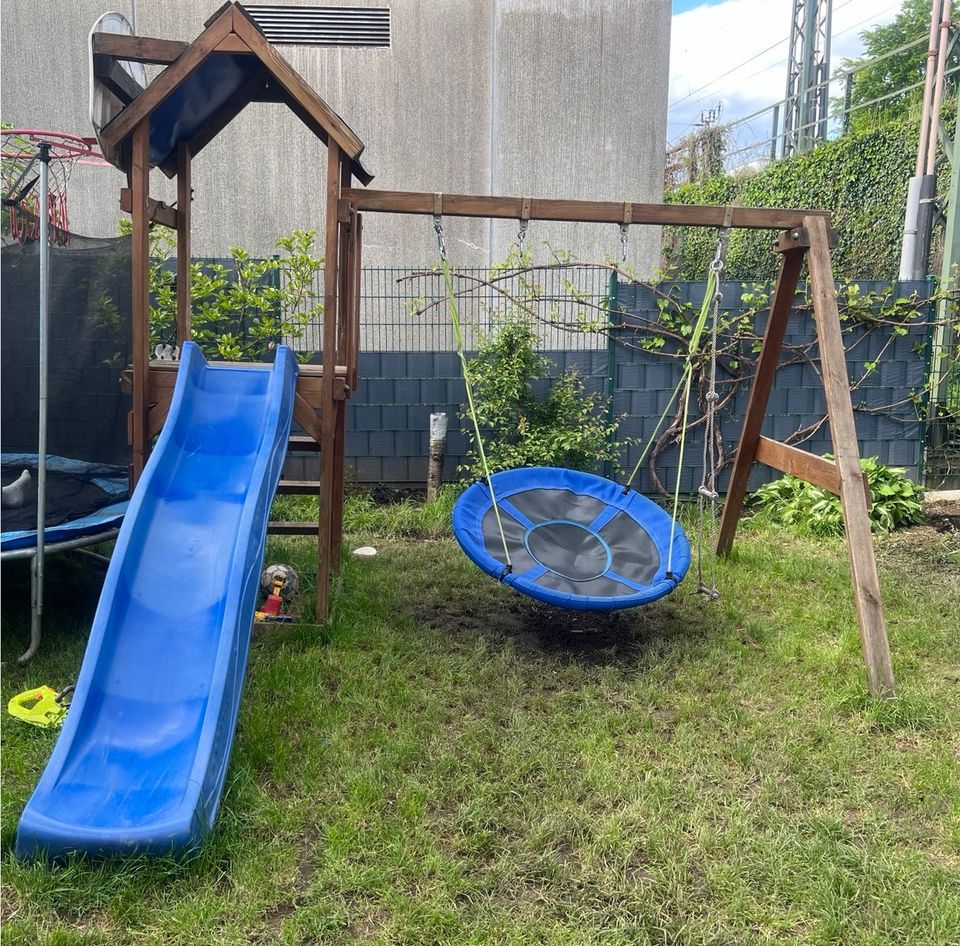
(141, 762)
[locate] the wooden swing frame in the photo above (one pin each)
(322, 391)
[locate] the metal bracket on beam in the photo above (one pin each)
(799, 238)
(438, 205)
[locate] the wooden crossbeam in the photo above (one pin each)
(233, 44)
(293, 528)
(305, 414)
(116, 79)
(299, 443)
(166, 82)
(159, 52)
(163, 375)
(157, 211)
(807, 466)
(582, 211)
(298, 487)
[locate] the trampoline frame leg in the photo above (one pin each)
(36, 613)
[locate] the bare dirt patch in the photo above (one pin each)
(620, 638)
(933, 543)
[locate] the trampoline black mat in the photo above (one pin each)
(69, 496)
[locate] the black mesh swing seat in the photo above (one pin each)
(574, 539)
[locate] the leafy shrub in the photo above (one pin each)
(238, 312)
(798, 504)
(565, 426)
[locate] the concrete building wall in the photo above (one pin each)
(561, 98)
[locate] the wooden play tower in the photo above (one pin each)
(231, 64)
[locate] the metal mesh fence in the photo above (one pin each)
(406, 309)
(943, 412)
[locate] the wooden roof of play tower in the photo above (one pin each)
(204, 86)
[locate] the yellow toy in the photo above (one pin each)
(41, 706)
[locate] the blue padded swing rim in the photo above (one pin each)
(473, 505)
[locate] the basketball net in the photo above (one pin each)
(20, 171)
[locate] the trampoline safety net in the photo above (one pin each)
(89, 346)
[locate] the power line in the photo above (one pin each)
(725, 74)
(763, 52)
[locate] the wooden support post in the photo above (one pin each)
(843, 433)
(766, 369)
(343, 342)
(140, 338)
(356, 247)
(436, 453)
(184, 199)
(328, 420)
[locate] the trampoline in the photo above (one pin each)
(575, 539)
(65, 339)
(85, 503)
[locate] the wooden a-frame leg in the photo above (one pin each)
(780, 307)
(853, 495)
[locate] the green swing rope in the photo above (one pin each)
(458, 337)
(710, 299)
(685, 382)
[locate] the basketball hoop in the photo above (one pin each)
(22, 151)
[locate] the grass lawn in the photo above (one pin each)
(448, 762)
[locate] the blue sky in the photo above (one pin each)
(681, 6)
(733, 54)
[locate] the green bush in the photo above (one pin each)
(565, 426)
(240, 312)
(795, 503)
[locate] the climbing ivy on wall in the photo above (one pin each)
(861, 178)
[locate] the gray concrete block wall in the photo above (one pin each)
(388, 416)
(522, 97)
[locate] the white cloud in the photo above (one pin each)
(735, 37)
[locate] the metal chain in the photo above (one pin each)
(707, 491)
(624, 229)
(441, 241)
(522, 235)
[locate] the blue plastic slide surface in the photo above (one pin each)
(141, 761)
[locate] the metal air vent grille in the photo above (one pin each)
(322, 26)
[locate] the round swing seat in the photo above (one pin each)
(576, 540)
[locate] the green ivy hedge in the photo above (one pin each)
(861, 178)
